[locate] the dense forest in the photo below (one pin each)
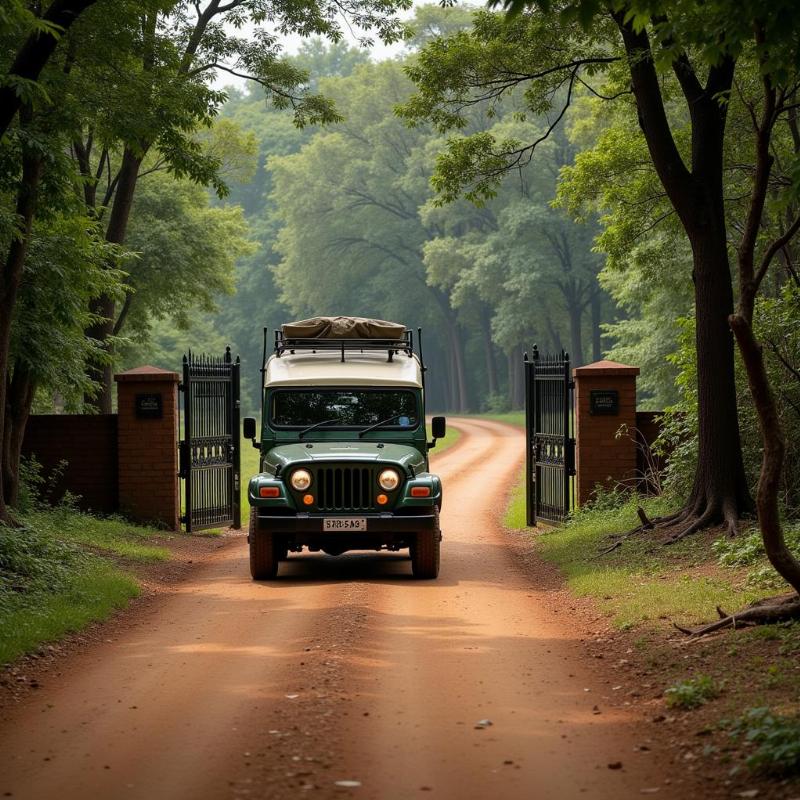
(485, 282)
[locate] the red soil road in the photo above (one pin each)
(343, 669)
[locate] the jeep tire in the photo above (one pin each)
(264, 555)
(425, 553)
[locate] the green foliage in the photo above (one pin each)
(59, 571)
(692, 693)
(773, 740)
(747, 550)
(185, 253)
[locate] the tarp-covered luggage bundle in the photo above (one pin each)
(343, 328)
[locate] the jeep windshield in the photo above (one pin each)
(344, 408)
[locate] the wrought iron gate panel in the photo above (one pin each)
(550, 448)
(210, 450)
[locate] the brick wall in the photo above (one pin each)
(148, 448)
(88, 444)
(601, 456)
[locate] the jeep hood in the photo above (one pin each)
(286, 455)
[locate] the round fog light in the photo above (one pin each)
(382, 499)
(389, 479)
(308, 499)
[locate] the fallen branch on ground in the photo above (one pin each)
(763, 612)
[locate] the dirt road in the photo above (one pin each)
(343, 670)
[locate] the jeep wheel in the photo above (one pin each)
(425, 553)
(263, 551)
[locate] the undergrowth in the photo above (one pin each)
(692, 693)
(63, 568)
(772, 741)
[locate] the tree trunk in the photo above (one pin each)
(105, 306)
(10, 278)
(596, 306)
(720, 491)
(769, 519)
(489, 351)
(575, 310)
(20, 400)
(555, 336)
(459, 371)
(516, 377)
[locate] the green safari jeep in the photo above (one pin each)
(344, 451)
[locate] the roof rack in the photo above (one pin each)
(392, 347)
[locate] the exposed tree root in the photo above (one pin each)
(762, 612)
(647, 525)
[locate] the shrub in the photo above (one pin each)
(748, 551)
(691, 693)
(775, 740)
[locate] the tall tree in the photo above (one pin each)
(552, 56)
(180, 51)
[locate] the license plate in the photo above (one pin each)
(344, 524)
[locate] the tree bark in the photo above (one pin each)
(10, 279)
(35, 53)
(596, 306)
(769, 519)
(720, 489)
(105, 306)
(489, 351)
(459, 370)
(20, 399)
(575, 311)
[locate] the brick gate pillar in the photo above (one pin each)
(147, 400)
(605, 400)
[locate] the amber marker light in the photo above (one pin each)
(382, 499)
(420, 491)
(308, 499)
(269, 491)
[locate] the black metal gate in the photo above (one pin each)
(550, 448)
(211, 448)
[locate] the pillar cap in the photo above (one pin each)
(605, 368)
(147, 374)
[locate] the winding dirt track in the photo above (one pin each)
(341, 670)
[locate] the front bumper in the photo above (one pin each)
(382, 523)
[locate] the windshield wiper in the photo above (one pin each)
(378, 424)
(317, 425)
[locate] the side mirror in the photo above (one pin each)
(249, 429)
(438, 429)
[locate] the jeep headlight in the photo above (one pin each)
(389, 479)
(300, 480)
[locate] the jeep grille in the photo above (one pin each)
(344, 488)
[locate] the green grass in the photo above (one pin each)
(64, 569)
(90, 594)
(509, 417)
(452, 436)
(642, 582)
(112, 536)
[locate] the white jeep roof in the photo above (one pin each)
(359, 369)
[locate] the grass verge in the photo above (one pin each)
(64, 569)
